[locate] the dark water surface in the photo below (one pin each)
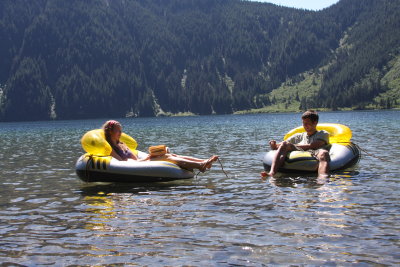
(49, 217)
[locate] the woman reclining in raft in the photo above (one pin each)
(113, 130)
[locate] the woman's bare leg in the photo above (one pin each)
(189, 163)
(189, 158)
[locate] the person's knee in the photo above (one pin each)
(323, 155)
(284, 146)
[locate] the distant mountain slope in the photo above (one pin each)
(355, 76)
(102, 58)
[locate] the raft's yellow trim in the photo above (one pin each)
(300, 154)
(338, 133)
(105, 161)
(98, 162)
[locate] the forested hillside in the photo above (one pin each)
(113, 58)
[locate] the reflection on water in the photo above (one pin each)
(310, 180)
(49, 217)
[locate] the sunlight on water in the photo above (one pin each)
(49, 217)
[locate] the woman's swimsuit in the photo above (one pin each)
(124, 154)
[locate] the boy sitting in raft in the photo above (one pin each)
(311, 140)
(113, 130)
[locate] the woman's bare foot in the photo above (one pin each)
(206, 164)
(211, 160)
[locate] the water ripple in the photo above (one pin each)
(49, 217)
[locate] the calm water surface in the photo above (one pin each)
(49, 217)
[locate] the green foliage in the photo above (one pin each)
(293, 95)
(85, 59)
(354, 78)
(390, 98)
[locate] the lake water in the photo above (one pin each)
(49, 217)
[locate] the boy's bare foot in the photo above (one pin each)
(265, 174)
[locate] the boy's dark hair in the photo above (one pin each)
(310, 114)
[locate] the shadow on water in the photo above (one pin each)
(95, 189)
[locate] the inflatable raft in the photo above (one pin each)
(97, 166)
(342, 151)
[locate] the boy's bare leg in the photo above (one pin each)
(323, 166)
(280, 156)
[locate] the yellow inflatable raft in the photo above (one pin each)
(342, 151)
(98, 166)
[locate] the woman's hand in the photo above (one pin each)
(145, 159)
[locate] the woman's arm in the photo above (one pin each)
(134, 157)
(115, 155)
(145, 159)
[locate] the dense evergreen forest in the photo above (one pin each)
(114, 58)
